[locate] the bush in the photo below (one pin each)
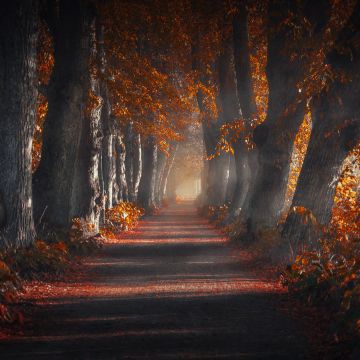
(124, 216)
(10, 286)
(216, 214)
(40, 261)
(330, 275)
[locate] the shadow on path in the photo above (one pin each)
(173, 289)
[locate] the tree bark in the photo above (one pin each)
(275, 137)
(146, 194)
(120, 188)
(336, 130)
(218, 167)
(170, 189)
(108, 167)
(86, 195)
(232, 181)
(162, 160)
(18, 25)
(106, 123)
(167, 170)
(245, 158)
(68, 135)
(133, 162)
(229, 104)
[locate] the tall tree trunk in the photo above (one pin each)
(120, 188)
(104, 119)
(108, 130)
(108, 162)
(146, 192)
(218, 167)
(232, 181)
(18, 25)
(170, 189)
(86, 195)
(245, 158)
(138, 165)
(321, 170)
(65, 127)
(133, 162)
(275, 137)
(167, 170)
(162, 160)
(336, 130)
(229, 104)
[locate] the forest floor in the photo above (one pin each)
(172, 289)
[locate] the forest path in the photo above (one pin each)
(172, 289)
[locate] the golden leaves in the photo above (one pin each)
(45, 55)
(93, 102)
(257, 16)
(297, 158)
(148, 68)
(124, 216)
(345, 217)
(229, 134)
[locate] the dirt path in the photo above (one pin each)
(173, 289)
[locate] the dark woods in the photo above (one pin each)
(103, 94)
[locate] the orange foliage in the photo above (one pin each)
(45, 64)
(122, 217)
(331, 272)
(45, 55)
(346, 212)
(93, 102)
(42, 108)
(231, 132)
(314, 49)
(148, 67)
(297, 158)
(258, 58)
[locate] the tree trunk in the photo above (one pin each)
(170, 189)
(320, 172)
(120, 188)
(64, 125)
(218, 168)
(232, 181)
(336, 130)
(146, 194)
(104, 121)
(137, 164)
(275, 137)
(162, 160)
(230, 107)
(133, 164)
(264, 206)
(86, 195)
(108, 167)
(167, 170)
(18, 24)
(245, 158)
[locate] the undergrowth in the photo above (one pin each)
(55, 254)
(329, 276)
(325, 273)
(43, 260)
(123, 217)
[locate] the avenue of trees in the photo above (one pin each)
(97, 95)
